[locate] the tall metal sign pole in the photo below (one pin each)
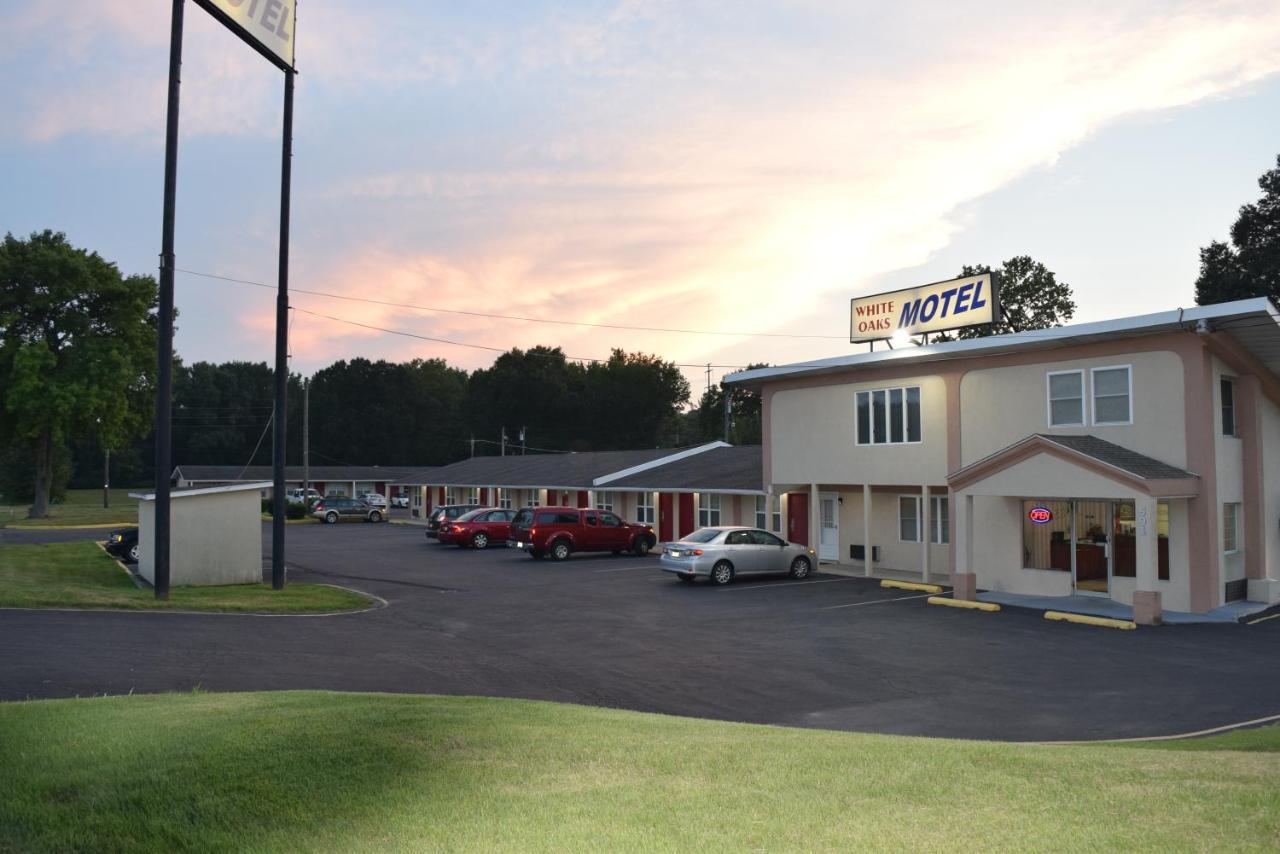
(267, 27)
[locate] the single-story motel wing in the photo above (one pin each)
(676, 490)
(348, 481)
(1136, 460)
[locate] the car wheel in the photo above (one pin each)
(331, 518)
(687, 578)
(640, 547)
(375, 516)
(480, 540)
(800, 568)
(133, 553)
(722, 573)
(560, 550)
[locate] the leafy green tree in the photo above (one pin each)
(77, 351)
(1250, 265)
(629, 398)
(1031, 297)
(746, 426)
(538, 389)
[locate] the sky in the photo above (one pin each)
(729, 168)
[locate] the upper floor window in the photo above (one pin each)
(708, 509)
(1066, 399)
(1228, 406)
(1112, 395)
(889, 416)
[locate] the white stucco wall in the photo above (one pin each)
(1271, 485)
(1000, 406)
(1229, 452)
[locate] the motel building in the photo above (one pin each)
(676, 490)
(1133, 460)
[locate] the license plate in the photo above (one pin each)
(674, 552)
(519, 544)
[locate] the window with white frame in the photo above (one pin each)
(939, 520)
(504, 499)
(1066, 399)
(1228, 387)
(776, 513)
(644, 508)
(472, 495)
(708, 509)
(909, 518)
(532, 499)
(762, 512)
(769, 514)
(1112, 395)
(604, 500)
(451, 495)
(1231, 527)
(888, 416)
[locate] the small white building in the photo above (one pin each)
(215, 535)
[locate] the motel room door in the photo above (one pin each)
(666, 528)
(798, 517)
(829, 530)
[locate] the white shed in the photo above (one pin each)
(215, 535)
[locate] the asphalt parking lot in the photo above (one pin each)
(829, 651)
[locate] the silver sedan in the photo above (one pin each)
(723, 553)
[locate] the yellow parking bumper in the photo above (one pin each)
(1085, 619)
(963, 603)
(911, 585)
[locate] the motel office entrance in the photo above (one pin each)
(1095, 540)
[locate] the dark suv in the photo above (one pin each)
(561, 531)
(446, 513)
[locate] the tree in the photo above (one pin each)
(629, 399)
(1250, 265)
(77, 351)
(746, 426)
(1031, 297)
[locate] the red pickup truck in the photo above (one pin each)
(561, 531)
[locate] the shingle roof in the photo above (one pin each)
(537, 470)
(738, 468)
(236, 474)
(1139, 465)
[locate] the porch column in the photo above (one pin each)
(924, 533)
(815, 522)
(867, 549)
(1146, 598)
(964, 580)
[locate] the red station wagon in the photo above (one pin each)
(478, 528)
(561, 531)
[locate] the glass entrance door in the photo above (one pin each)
(1092, 552)
(829, 535)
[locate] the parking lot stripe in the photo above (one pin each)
(626, 568)
(788, 584)
(875, 602)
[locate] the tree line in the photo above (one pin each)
(77, 366)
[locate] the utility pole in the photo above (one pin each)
(708, 376)
(502, 442)
(106, 480)
(473, 445)
(522, 441)
(306, 439)
(282, 346)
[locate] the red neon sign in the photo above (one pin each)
(1040, 515)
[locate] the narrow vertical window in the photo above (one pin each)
(909, 518)
(897, 417)
(1228, 407)
(939, 520)
(913, 414)
(762, 513)
(864, 418)
(1231, 528)
(880, 413)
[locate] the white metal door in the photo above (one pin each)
(829, 533)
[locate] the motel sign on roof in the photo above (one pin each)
(970, 301)
(265, 24)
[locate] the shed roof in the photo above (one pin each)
(190, 491)
(237, 474)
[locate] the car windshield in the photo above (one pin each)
(703, 535)
(469, 515)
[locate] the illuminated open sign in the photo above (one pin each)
(1040, 515)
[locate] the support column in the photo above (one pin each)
(867, 549)
(815, 522)
(1146, 598)
(925, 531)
(964, 580)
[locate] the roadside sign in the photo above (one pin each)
(968, 301)
(267, 25)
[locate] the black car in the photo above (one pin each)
(447, 513)
(124, 544)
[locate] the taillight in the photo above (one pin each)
(533, 532)
(457, 529)
(319, 505)
(696, 552)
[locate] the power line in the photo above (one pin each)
(513, 316)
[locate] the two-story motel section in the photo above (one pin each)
(1136, 459)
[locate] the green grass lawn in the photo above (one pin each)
(80, 575)
(347, 772)
(80, 507)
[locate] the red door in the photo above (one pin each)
(583, 498)
(665, 531)
(798, 518)
(686, 513)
